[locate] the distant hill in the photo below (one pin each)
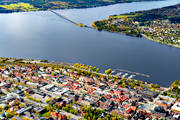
(171, 12)
(61, 4)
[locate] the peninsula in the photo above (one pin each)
(160, 25)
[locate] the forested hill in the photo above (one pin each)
(55, 4)
(171, 12)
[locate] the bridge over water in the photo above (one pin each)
(70, 20)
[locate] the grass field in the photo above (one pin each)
(19, 6)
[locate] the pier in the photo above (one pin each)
(135, 73)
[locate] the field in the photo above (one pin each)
(19, 7)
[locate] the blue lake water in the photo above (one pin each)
(43, 35)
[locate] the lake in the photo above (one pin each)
(43, 35)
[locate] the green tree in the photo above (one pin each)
(108, 71)
(75, 111)
(94, 117)
(69, 117)
(1, 108)
(97, 70)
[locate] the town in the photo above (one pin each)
(41, 90)
(160, 25)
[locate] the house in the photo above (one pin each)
(14, 108)
(18, 92)
(159, 111)
(61, 104)
(149, 94)
(34, 85)
(164, 101)
(147, 107)
(58, 116)
(39, 109)
(54, 115)
(2, 84)
(176, 107)
(141, 115)
(75, 106)
(3, 105)
(22, 110)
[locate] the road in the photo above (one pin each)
(33, 102)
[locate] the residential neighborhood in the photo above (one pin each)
(44, 91)
(160, 25)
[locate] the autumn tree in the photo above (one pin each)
(108, 71)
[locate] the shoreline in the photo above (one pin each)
(6, 60)
(84, 7)
(142, 35)
(171, 45)
(48, 91)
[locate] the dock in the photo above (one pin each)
(126, 74)
(134, 73)
(131, 76)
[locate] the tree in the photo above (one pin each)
(71, 111)
(153, 89)
(47, 115)
(94, 117)
(1, 108)
(90, 68)
(69, 117)
(49, 107)
(108, 71)
(131, 84)
(75, 111)
(44, 60)
(89, 118)
(97, 70)
(91, 75)
(9, 114)
(155, 86)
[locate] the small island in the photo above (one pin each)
(161, 25)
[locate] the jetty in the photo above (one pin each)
(123, 76)
(131, 76)
(135, 73)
